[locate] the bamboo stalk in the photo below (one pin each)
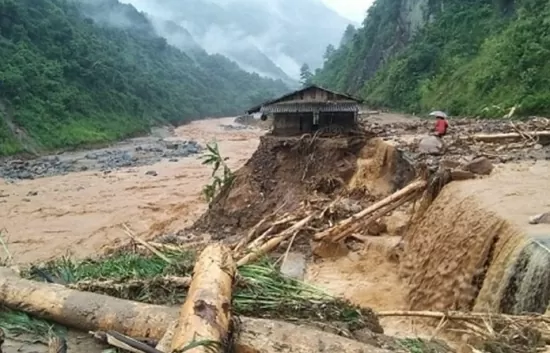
(206, 312)
(398, 195)
(130, 234)
(458, 315)
(260, 240)
(123, 342)
(274, 242)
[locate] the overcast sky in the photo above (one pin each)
(355, 10)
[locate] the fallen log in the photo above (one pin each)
(458, 315)
(206, 312)
(376, 216)
(509, 136)
(81, 310)
(96, 312)
(398, 195)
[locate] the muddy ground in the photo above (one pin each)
(76, 202)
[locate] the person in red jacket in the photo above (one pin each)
(441, 126)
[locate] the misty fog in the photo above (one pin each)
(271, 37)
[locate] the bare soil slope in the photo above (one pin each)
(285, 172)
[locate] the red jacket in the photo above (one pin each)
(441, 126)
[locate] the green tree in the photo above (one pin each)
(329, 52)
(69, 80)
(306, 76)
(348, 35)
(469, 57)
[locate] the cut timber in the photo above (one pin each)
(96, 312)
(510, 136)
(166, 341)
(266, 336)
(459, 315)
(206, 312)
(398, 195)
(82, 310)
(376, 216)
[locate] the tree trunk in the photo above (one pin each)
(96, 312)
(510, 136)
(206, 312)
(398, 195)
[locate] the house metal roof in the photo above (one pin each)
(331, 106)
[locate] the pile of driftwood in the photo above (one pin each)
(271, 231)
(204, 322)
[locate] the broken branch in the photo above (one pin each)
(130, 234)
(274, 242)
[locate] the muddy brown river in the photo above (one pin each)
(80, 213)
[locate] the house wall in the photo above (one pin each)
(288, 124)
(345, 119)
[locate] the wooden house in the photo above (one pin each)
(308, 110)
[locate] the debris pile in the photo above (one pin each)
(281, 175)
(220, 305)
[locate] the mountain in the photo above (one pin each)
(271, 37)
(91, 71)
(469, 57)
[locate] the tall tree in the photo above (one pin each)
(306, 76)
(329, 51)
(348, 35)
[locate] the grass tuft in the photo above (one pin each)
(16, 323)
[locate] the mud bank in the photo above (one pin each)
(283, 173)
(474, 249)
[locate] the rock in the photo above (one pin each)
(173, 160)
(152, 173)
(538, 146)
(481, 166)
(32, 193)
(377, 228)
(449, 164)
(397, 223)
(430, 145)
(172, 145)
(458, 174)
(294, 266)
(543, 218)
(327, 249)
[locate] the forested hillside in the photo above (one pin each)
(470, 57)
(68, 80)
